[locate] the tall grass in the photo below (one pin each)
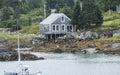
(34, 29)
(14, 36)
(115, 38)
(112, 20)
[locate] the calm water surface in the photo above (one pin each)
(70, 64)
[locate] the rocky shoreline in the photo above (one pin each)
(105, 47)
(85, 47)
(9, 55)
(94, 50)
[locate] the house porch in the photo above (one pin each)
(54, 36)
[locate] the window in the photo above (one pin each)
(57, 27)
(53, 27)
(62, 19)
(70, 28)
(63, 27)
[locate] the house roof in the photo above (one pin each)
(53, 17)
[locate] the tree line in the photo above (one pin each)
(11, 10)
(84, 13)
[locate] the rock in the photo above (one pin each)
(57, 50)
(9, 55)
(13, 55)
(90, 50)
(29, 57)
(1, 57)
(73, 51)
(41, 58)
(115, 45)
(74, 47)
(83, 51)
(98, 49)
(91, 45)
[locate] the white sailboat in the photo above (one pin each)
(22, 70)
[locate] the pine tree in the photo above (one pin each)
(67, 11)
(106, 5)
(91, 13)
(76, 17)
(99, 18)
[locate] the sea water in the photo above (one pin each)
(69, 64)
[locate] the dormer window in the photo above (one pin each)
(62, 19)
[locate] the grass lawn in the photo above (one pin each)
(115, 38)
(112, 20)
(14, 36)
(34, 29)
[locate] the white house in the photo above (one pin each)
(56, 25)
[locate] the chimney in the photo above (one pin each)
(53, 11)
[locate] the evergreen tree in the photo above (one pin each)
(67, 11)
(91, 13)
(98, 20)
(6, 12)
(106, 5)
(69, 3)
(77, 15)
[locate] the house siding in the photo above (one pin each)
(56, 26)
(45, 29)
(60, 23)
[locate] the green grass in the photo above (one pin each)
(7, 36)
(36, 16)
(14, 36)
(112, 20)
(115, 38)
(112, 23)
(34, 29)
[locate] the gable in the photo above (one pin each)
(54, 17)
(60, 21)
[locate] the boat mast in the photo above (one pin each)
(18, 37)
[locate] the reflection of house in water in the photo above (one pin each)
(118, 8)
(56, 25)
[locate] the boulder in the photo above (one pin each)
(90, 50)
(115, 45)
(1, 57)
(57, 50)
(91, 45)
(14, 56)
(30, 57)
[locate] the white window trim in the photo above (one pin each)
(58, 27)
(68, 28)
(61, 27)
(52, 27)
